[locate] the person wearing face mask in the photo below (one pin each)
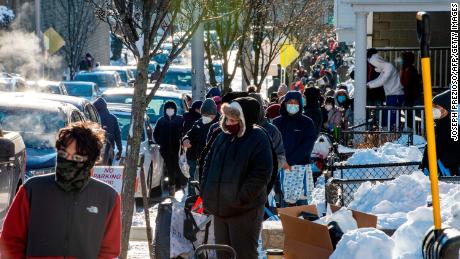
(447, 150)
(195, 139)
(344, 105)
(298, 131)
(236, 173)
(389, 78)
(68, 214)
(334, 116)
(168, 133)
(192, 115)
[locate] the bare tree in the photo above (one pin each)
(230, 35)
(143, 26)
(273, 24)
(77, 24)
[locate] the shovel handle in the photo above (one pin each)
(423, 34)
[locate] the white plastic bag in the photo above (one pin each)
(183, 164)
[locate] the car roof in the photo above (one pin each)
(43, 83)
(120, 91)
(35, 104)
(78, 83)
(110, 68)
(98, 72)
(78, 102)
(179, 69)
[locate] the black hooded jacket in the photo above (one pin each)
(109, 123)
(238, 168)
(447, 150)
(168, 131)
(197, 137)
(313, 108)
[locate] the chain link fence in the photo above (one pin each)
(347, 178)
(341, 192)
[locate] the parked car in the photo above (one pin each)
(12, 168)
(87, 90)
(180, 76)
(84, 106)
(133, 70)
(44, 86)
(38, 121)
(104, 79)
(125, 74)
(156, 105)
(153, 162)
(12, 83)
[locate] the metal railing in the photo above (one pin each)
(440, 63)
(400, 119)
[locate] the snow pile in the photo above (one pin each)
(392, 200)
(6, 16)
(139, 217)
(364, 243)
(343, 217)
(409, 237)
(416, 140)
(388, 153)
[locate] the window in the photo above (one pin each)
(124, 121)
(155, 109)
(79, 90)
(178, 78)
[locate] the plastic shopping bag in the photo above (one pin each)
(297, 183)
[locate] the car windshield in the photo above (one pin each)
(102, 80)
(124, 121)
(37, 127)
(79, 90)
(53, 89)
(181, 79)
(155, 108)
(124, 76)
(218, 70)
(161, 58)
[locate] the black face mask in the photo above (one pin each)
(72, 175)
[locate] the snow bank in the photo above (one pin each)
(364, 243)
(392, 200)
(388, 153)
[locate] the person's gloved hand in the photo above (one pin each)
(118, 155)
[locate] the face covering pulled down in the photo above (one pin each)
(72, 175)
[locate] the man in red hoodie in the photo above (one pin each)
(67, 214)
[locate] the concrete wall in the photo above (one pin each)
(98, 42)
(399, 30)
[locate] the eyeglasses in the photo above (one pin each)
(75, 157)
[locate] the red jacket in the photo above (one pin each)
(17, 232)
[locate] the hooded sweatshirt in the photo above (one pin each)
(191, 116)
(168, 131)
(312, 107)
(237, 168)
(299, 132)
(109, 123)
(389, 76)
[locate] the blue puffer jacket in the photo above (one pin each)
(109, 123)
(299, 132)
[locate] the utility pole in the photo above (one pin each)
(41, 69)
(198, 79)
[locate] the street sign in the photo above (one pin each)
(111, 175)
(53, 41)
(287, 55)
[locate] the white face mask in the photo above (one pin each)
(206, 119)
(328, 107)
(437, 113)
(170, 112)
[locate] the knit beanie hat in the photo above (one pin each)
(209, 107)
(273, 111)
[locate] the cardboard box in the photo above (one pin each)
(304, 239)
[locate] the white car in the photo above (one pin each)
(153, 162)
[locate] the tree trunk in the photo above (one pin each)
(132, 152)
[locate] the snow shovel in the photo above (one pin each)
(438, 242)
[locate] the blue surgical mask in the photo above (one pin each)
(341, 98)
(292, 108)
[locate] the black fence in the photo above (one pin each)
(347, 178)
